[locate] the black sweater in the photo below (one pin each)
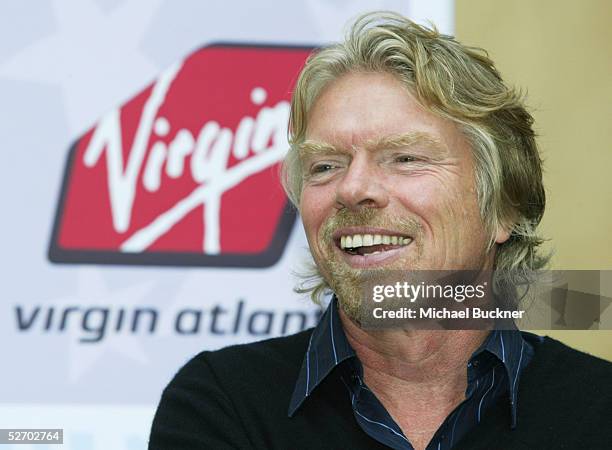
(238, 398)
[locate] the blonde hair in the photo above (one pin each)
(456, 82)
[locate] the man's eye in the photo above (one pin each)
(321, 168)
(404, 158)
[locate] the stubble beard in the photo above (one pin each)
(345, 281)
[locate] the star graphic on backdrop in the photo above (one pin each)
(87, 57)
(92, 292)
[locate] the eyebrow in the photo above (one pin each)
(396, 141)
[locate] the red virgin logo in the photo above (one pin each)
(186, 172)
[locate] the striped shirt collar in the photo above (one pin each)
(328, 347)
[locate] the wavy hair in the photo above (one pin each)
(456, 82)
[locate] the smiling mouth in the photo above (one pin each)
(371, 244)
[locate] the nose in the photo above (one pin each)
(362, 185)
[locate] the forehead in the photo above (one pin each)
(359, 108)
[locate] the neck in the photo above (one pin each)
(414, 356)
(420, 376)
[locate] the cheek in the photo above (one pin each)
(446, 205)
(426, 197)
(315, 204)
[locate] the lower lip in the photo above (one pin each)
(372, 260)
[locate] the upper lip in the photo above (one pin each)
(350, 231)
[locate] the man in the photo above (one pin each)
(408, 152)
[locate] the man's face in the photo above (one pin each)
(390, 182)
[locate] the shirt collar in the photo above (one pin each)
(328, 347)
(514, 352)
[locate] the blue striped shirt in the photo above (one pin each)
(493, 371)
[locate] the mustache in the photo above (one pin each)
(370, 217)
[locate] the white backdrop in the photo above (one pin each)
(64, 65)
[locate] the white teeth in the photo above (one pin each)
(367, 240)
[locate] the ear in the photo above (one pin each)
(502, 234)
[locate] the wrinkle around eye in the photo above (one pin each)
(417, 167)
(324, 164)
(316, 175)
(440, 171)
